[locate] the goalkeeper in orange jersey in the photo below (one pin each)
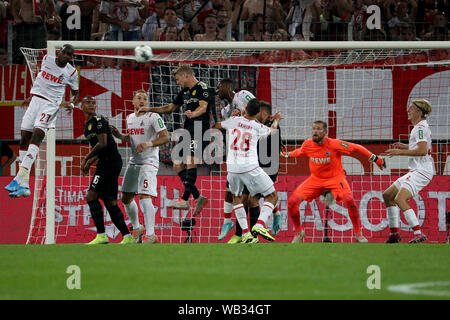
(327, 174)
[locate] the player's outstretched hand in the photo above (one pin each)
(143, 146)
(277, 116)
(284, 154)
(68, 106)
(379, 161)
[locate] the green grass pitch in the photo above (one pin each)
(270, 271)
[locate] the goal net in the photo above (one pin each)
(361, 90)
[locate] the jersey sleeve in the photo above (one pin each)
(262, 131)
(203, 94)
(348, 148)
(101, 125)
(158, 123)
(226, 124)
(299, 152)
(422, 134)
(73, 81)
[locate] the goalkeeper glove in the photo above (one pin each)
(378, 161)
(284, 154)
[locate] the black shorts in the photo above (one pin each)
(259, 195)
(106, 181)
(196, 149)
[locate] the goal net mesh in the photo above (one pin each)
(361, 94)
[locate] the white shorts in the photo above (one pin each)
(413, 181)
(140, 179)
(256, 181)
(41, 114)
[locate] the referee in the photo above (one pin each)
(196, 100)
(104, 184)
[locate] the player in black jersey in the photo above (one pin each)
(265, 159)
(196, 101)
(104, 184)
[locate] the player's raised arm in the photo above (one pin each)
(171, 107)
(203, 106)
(163, 138)
(420, 151)
(350, 148)
(116, 133)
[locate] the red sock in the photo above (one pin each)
(293, 203)
(352, 212)
(394, 230)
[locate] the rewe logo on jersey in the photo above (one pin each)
(51, 77)
(134, 131)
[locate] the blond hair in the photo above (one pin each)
(423, 105)
(183, 68)
(139, 91)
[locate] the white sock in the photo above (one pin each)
(22, 154)
(241, 217)
(30, 157)
(23, 177)
(266, 212)
(393, 216)
(149, 215)
(411, 218)
(133, 213)
(227, 210)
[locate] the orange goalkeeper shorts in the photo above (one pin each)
(313, 187)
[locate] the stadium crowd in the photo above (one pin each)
(34, 22)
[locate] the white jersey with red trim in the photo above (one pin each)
(242, 143)
(51, 81)
(142, 129)
(421, 132)
(240, 100)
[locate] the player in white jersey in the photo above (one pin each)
(46, 95)
(421, 171)
(146, 132)
(243, 167)
(237, 101)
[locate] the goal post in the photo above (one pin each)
(289, 67)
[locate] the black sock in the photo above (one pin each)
(117, 218)
(254, 215)
(97, 215)
(187, 190)
(191, 178)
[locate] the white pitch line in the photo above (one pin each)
(419, 288)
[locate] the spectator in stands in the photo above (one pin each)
(426, 10)
(255, 29)
(439, 28)
(398, 11)
(270, 13)
(4, 25)
(155, 20)
(5, 151)
(87, 8)
(170, 33)
(223, 19)
(408, 32)
(100, 29)
(211, 31)
(194, 12)
(125, 18)
(31, 24)
(296, 15)
(169, 17)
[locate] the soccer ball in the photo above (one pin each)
(143, 53)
